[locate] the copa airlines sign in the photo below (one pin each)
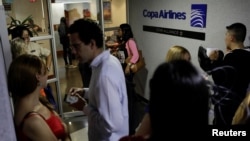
(197, 17)
(164, 14)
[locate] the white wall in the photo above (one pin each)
(57, 12)
(220, 13)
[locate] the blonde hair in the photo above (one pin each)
(177, 53)
(18, 47)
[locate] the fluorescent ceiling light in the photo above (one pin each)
(71, 1)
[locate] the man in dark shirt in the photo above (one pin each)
(233, 74)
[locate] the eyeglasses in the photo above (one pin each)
(76, 46)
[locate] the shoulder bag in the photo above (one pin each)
(139, 64)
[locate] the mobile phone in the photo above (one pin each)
(70, 99)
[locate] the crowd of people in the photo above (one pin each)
(107, 95)
(35, 116)
(230, 74)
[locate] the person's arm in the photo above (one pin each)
(48, 61)
(37, 129)
(44, 52)
(133, 51)
(83, 92)
(144, 128)
(67, 138)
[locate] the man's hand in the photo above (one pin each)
(76, 91)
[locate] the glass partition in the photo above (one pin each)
(70, 77)
(33, 14)
(42, 17)
(113, 19)
(36, 16)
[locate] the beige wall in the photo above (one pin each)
(118, 9)
(21, 9)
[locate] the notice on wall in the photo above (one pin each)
(175, 32)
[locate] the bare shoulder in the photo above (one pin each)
(33, 121)
(36, 128)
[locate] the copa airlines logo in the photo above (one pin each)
(197, 19)
(164, 14)
(198, 15)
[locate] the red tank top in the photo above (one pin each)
(53, 122)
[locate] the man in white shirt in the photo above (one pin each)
(107, 107)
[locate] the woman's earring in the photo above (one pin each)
(38, 84)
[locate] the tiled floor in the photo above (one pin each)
(78, 128)
(77, 124)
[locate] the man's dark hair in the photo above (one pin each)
(63, 19)
(239, 31)
(88, 30)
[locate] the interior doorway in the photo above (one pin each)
(46, 18)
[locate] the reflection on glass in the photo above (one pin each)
(48, 45)
(35, 18)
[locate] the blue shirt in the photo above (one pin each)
(107, 109)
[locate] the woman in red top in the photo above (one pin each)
(34, 118)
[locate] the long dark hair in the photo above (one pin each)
(22, 77)
(63, 20)
(18, 32)
(175, 87)
(126, 32)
